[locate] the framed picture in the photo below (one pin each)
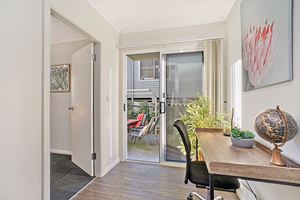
(60, 78)
(267, 50)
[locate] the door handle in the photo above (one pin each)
(162, 107)
(71, 108)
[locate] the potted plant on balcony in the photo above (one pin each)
(199, 115)
(241, 138)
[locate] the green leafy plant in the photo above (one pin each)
(134, 108)
(131, 114)
(199, 114)
(147, 108)
(242, 134)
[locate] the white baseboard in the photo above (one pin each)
(239, 194)
(243, 193)
(58, 151)
(109, 167)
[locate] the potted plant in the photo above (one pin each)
(241, 138)
(199, 115)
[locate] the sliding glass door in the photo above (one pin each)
(181, 81)
(143, 83)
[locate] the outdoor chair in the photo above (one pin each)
(140, 118)
(154, 138)
(137, 133)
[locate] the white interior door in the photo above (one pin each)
(82, 108)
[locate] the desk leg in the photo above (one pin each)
(197, 149)
(211, 187)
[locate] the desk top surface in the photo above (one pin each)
(222, 157)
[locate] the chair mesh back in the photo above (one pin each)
(179, 125)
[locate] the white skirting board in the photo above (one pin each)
(58, 151)
(109, 167)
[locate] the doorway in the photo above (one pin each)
(163, 83)
(72, 59)
(143, 83)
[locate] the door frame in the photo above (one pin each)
(46, 21)
(124, 139)
(163, 91)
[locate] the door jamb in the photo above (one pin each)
(124, 138)
(46, 22)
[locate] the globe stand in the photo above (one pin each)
(277, 157)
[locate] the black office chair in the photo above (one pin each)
(196, 171)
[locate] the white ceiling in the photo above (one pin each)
(144, 15)
(62, 32)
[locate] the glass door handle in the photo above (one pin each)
(162, 107)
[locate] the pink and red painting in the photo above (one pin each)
(266, 42)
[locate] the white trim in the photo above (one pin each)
(109, 18)
(110, 167)
(240, 195)
(68, 40)
(92, 119)
(162, 117)
(124, 110)
(45, 102)
(164, 26)
(171, 42)
(58, 151)
(124, 138)
(83, 188)
(173, 164)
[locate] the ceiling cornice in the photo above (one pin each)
(108, 17)
(165, 26)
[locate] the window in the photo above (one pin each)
(149, 69)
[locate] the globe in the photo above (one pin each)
(277, 127)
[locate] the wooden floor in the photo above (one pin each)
(135, 181)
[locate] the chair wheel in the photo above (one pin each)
(190, 197)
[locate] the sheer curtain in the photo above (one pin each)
(214, 74)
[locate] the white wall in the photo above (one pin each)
(59, 114)
(82, 15)
(21, 71)
(286, 95)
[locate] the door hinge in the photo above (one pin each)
(94, 57)
(93, 156)
(124, 107)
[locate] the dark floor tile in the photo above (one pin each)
(66, 178)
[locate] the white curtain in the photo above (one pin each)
(214, 74)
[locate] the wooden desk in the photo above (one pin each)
(252, 164)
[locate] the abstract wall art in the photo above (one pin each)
(266, 42)
(60, 78)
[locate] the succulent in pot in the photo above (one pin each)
(242, 138)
